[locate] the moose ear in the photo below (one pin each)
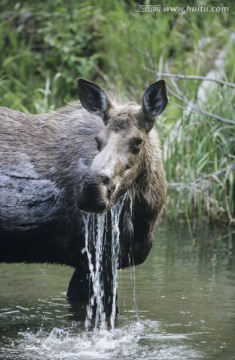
(154, 102)
(93, 98)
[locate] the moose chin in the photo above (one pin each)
(81, 158)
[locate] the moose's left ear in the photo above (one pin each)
(154, 102)
(93, 98)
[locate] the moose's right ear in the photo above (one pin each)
(93, 98)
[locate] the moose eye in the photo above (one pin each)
(98, 143)
(136, 146)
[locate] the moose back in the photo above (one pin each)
(81, 158)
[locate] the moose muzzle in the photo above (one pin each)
(96, 191)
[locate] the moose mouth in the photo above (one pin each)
(94, 207)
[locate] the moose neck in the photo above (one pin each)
(150, 186)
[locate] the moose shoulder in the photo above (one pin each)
(83, 157)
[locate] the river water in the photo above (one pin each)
(179, 304)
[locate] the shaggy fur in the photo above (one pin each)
(43, 160)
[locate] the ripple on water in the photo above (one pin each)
(138, 340)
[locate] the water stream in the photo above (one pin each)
(96, 235)
(185, 296)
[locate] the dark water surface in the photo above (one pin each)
(180, 306)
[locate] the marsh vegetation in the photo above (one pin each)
(45, 48)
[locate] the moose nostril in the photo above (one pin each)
(93, 180)
(105, 180)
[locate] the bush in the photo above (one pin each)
(44, 50)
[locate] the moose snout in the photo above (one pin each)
(97, 179)
(95, 194)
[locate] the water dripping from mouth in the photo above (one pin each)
(102, 245)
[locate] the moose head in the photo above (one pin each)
(123, 144)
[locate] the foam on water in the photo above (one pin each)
(138, 340)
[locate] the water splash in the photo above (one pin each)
(99, 231)
(134, 340)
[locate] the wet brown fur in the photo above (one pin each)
(43, 159)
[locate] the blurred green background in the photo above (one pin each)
(46, 45)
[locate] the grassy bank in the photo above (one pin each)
(45, 47)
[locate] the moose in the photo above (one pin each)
(80, 159)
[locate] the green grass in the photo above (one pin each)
(44, 49)
(46, 46)
(199, 153)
